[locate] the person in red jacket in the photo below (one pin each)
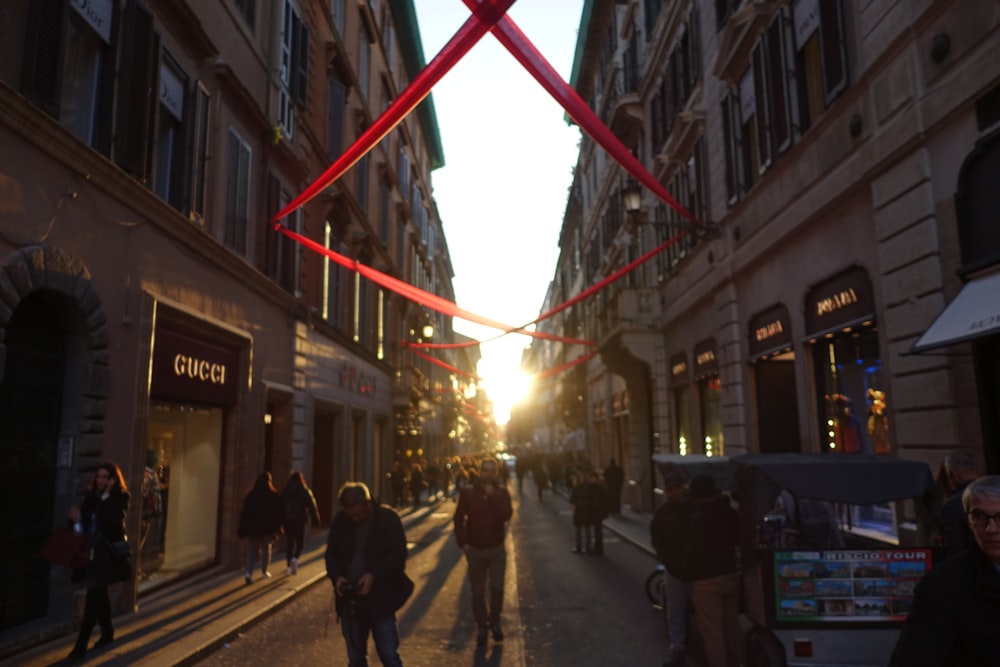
(484, 508)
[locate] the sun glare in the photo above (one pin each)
(506, 387)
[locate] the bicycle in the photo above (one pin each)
(656, 591)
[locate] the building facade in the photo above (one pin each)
(149, 313)
(836, 154)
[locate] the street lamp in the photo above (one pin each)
(632, 197)
(427, 331)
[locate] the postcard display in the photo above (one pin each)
(847, 585)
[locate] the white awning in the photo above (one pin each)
(974, 313)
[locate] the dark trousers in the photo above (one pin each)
(96, 611)
(598, 538)
(487, 564)
(295, 536)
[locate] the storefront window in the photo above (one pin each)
(180, 492)
(853, 403)
(710, 390)
(682, 415)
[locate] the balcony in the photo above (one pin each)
(624, 112)
(628, 310)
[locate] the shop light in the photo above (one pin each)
(267, 417)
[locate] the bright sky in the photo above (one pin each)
(509, 155)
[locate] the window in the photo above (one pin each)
(362, 187)
(337, 100)
(201, 117)
(285, 263)
(237, 193)
(334, 281)
(293, 72)
(170, 172)
(731, 138)
(364, 67)
(820, 56)
(337, 15)
(388, 39)
(69, 66)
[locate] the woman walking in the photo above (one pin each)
(300, 505)
(102, 519)
(260, 521)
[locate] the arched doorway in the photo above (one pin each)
(30, 407)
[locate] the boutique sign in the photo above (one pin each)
(188, 369)
(770, 332)
(844, 300)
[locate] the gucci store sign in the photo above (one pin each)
(188, 369)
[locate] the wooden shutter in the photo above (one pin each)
(135, 90)
(42, 76)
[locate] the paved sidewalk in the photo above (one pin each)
(183, 624)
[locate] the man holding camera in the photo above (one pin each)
(483, 510)
(366, 560)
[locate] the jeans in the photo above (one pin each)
(716, 607)
(486, 563)
(356, 628)
(678, 593)
(258, 547)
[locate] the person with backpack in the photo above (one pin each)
(299, 506)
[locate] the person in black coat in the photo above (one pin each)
(581, 498)
(366, 561)
(668, 531)
(614, 478)
(102, 520)
(260, 524)
(710, 563)
(299, 506)
(956, 606)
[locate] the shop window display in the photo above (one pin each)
(682, 414)
(710, 390)
(179, 494)
(853, 403)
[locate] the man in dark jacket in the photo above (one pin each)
(614, 478)
(956, 607)
(711, 565)
(483, 510)
(366, 561)
(668, 531)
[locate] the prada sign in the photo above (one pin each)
(705, 361)
(678, 369)
(846, 300)
(769, 331)
(191, 370)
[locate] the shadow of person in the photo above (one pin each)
(483, 657)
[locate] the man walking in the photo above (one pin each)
(484, 508)
(614, 478)
(668, 531)
(366, 561)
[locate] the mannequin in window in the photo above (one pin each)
(850, 437)
(878, 422)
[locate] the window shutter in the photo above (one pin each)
(832, 49)
(135, 90)
(43, 59)
(337, 98)
(273, 239)
(104, 109)
(300, 58)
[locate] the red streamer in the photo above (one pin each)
(548, 372)
(443, 364)
(417, 295)
(484, 16)
(511, 37)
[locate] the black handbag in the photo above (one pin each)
(120, 567)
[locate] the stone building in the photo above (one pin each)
(149, 313)
(838, 156)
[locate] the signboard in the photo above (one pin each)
(841, 585)
(769, 331)
(191, 370)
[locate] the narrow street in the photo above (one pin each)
(560, 608)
